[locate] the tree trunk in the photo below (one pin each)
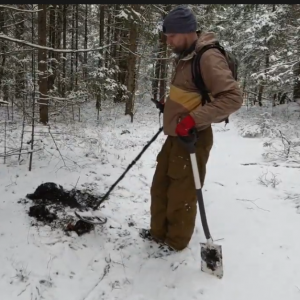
(296, 89)
(20, 78)
(296, 84)
(3, 49)
(85, 43)
(163, 69)
(244, 90)
(159, 82)
(100, 64)
(131, 66)
(63, 90)
(42, 63)
(116, 36)
(58, 35)
(72, 46)
(260, 93)
(76, 45)
(109, 33)
(52, 39)
(155, 80)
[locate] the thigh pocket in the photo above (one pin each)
(179, 167)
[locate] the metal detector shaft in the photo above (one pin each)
(189, 143)
(128, 168)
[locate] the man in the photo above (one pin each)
(173, 196)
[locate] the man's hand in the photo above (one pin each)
(185, 125)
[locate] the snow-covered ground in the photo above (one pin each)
(252, 204)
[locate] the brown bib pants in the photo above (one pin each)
(173, 194)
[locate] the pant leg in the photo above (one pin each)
(159, 189)
(182, 201)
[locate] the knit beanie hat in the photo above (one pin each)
(180, 20)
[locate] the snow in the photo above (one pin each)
(256, 224)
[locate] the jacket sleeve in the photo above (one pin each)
(223, 88)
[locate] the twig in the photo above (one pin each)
(266, 182)
(105, 272)
(121, 254)
(49, 266)
(219, 240)
(23, 290)
(252, 201)
(5, 142)
(249, 164)
(76, 182)
(56, 146)
(219, 183)
(22, 134)
(288, 148)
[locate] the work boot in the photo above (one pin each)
(163, 251)
(145, 234)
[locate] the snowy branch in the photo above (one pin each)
(17, 9)
(6, 37)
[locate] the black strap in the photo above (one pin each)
(196, 71)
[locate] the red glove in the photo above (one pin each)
(185, 125)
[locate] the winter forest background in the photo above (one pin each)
(76, 82)
(55, 58)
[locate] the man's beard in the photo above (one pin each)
(184, 51)
(177, 51)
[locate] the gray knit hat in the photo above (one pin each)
(181, 19)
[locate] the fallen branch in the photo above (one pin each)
(275, 165)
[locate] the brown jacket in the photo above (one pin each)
(184, 98)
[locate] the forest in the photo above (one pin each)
(56, 57)
(78, 130)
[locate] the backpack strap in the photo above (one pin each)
(196, 72)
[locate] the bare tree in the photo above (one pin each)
(42, 63)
